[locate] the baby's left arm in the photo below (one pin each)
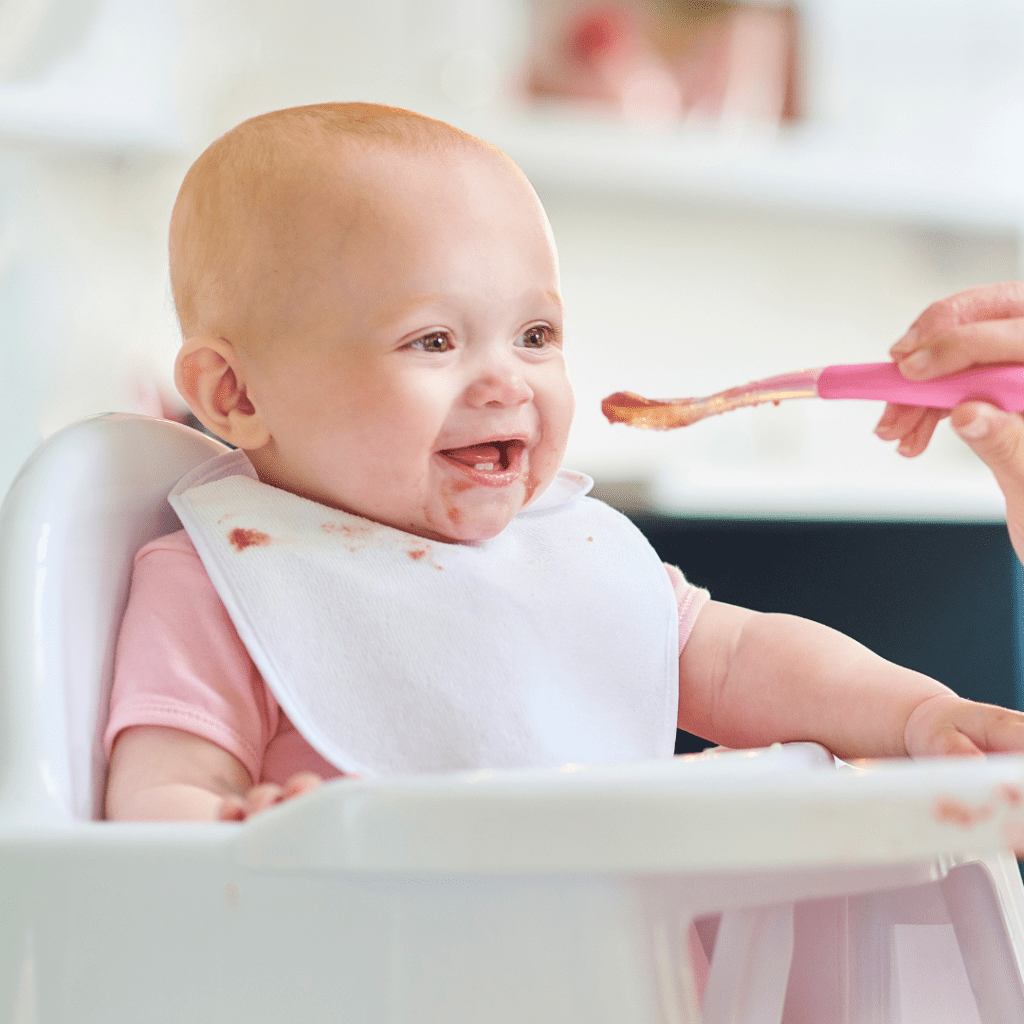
(748, 679)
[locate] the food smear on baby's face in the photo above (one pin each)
(423, 384)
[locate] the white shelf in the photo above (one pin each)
(33, 121)
(112, 91)
(799, 170)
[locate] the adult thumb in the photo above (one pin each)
(997, 438)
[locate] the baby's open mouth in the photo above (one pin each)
(491, 457)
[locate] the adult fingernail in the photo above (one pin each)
(916, 363)
(906, 344)
(886, 421)
(976, 427)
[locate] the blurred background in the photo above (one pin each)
(737, 189)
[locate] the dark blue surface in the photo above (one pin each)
(944, 599)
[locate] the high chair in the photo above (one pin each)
(868, 895)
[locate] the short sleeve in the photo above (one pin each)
(180, 663)
(690, 600)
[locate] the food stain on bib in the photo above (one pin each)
(424, 551)
(358, 530)
(356, 535)
(241, 538)
(364, 535)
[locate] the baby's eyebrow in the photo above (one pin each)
(553, 297)
(400, 310)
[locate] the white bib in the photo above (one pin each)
(554, 642)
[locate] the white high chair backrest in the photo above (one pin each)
(84, 503)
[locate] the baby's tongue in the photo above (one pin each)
(474, 454)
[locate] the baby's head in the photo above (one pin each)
(370, 305)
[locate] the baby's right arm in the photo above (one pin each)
(162, 774)
(747, 679)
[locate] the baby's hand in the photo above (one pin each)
(259, 798)
(948, 724)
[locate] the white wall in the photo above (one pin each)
(670, 300)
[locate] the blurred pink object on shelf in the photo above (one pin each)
(722, 63)
(740, 68)
(603, 56)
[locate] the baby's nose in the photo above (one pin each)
(499, 382)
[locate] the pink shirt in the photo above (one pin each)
(180, 664)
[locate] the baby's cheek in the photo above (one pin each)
(556, 433)
(544, 465)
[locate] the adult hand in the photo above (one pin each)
(979, 326)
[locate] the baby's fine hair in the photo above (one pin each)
(234, 205)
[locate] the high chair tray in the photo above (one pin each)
(553, 896)
(685, 814)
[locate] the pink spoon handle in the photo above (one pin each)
(1000, 385)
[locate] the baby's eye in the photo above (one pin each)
(438, 341)
(534, 337)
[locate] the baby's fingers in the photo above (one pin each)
(259, 798)
(945, 725)
(299, 783)
(949, 741)
(267, 794)
(995, 730)
(232, 808)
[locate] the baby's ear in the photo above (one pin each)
(211, 379)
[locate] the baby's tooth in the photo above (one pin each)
(487, 466)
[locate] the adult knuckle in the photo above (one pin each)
(1005, 445)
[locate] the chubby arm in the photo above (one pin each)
(163, 774)
(747, 679)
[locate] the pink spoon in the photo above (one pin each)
(1000, 385)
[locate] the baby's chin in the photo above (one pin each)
(467, 521)
(461, 527)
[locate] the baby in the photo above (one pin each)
(392, 573)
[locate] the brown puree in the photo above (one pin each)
(667, 414)
(650, 414)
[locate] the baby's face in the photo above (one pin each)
(421, 383)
